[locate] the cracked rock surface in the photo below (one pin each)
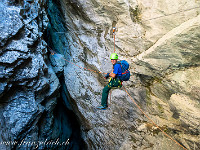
(39, 91)
(30, 100)
(160, 41)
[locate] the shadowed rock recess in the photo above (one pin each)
(48, 103)
(34, 101)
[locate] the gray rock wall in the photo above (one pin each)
(27, 79)
(160, 41)
(31, 96)
(39, 92)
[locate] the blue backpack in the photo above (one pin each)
(125, 72)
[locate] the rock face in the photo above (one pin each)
(47, 97)
(31, 102)
(160, 41)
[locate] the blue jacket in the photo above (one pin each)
(117, 70)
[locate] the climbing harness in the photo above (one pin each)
(111, 88)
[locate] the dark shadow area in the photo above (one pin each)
(66, 123)
(69, 128)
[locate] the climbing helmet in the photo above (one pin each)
(114, 56)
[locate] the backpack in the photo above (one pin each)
(125, 72)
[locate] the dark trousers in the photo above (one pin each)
(112, 83)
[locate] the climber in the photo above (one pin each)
(114, 81)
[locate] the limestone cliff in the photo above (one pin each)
(43, 96)
(160, 41)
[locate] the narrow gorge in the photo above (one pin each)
(53, 56)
